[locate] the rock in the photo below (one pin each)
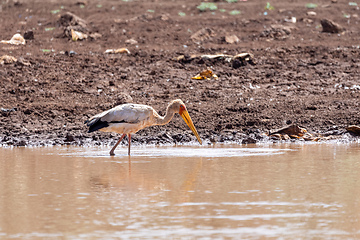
(95, 36)
(354, 129)
(293, 131)
(83, 2)
(213, 139)
(21, 143)
(28, 111)
(70, 22)
(202, 35)
(69, 19)
(278, 32)
(232, 39)
(123, 98)
(29, 35)
(5, 112)
(69, 138)
(8, 109)
(311, 13)
(165, 17)
(331, 27)
(248, 140)
(131, 41)
(70, 53)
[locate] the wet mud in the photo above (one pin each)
(300, 73)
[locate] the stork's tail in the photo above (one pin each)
(95, 124)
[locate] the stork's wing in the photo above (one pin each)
(126, 113)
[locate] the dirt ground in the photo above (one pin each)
(300, 74)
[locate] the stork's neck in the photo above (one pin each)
(167, 118)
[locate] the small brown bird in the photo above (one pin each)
(130, 118)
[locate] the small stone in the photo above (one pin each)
(331, 27)
(69, 138)
(202, 35)
(232, 39)
(354, 129)
(248, 140)
(131, 41)
(311, 13)
(29, 35)
(21, 143)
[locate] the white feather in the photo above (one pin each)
(127, 118)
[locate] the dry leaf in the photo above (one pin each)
(205, 75)
(75, 35)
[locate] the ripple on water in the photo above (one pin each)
(177, 152)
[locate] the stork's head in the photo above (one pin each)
(179, 106)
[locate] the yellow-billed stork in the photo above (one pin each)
(130, 118)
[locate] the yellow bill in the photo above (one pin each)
(185, 115)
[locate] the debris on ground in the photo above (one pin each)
(29, 35)
(6, 59)
(95, 36)
(202, 35)
(69, 19)
(237, 60)
(75, 35)
(231, 39)
(278, 32)
(5, 112)
(206, 74)
(70, 53)
(17, 39)
(354, 129)
(75, 28)
(131, 41)
(331, 27)
(292, 132)
(119, 50)
(23, 62)
(311, 13)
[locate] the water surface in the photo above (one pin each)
(294, 191)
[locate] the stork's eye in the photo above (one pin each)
(182, 107)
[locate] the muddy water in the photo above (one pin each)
(309, 191)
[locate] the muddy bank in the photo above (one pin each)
(302, 75)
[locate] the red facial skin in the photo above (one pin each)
(182, 108)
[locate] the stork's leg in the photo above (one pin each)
(113, 149)
(129, 137)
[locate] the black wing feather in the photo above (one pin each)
(96, 124)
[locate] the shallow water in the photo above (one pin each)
(295, 191)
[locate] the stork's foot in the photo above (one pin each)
(112, 154)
